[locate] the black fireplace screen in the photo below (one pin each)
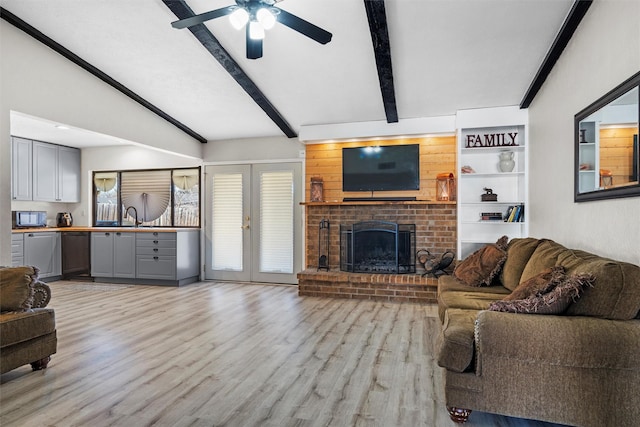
(378, 247)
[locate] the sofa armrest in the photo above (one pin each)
(41, 295)
(571, 341)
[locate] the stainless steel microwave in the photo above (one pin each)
(28, 219)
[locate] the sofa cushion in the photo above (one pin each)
(556, 301)
(16, 327)
(479, 268)
(455, 344)
(462, 295)
(16, 288)
(518, 253)
(616, 290)
(539, 284)
(546, 255)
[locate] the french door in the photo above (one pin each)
(253, 222)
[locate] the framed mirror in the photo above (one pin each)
(607, 156)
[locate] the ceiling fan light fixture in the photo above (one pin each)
(256, 30)
(266, 18)
(239, 18)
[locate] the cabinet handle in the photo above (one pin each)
(155, 233)
(107, 234)
(118, 234)
(155, 249)
(30, 235)
(155, 257)
(155, 241)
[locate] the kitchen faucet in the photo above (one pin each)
(135, 211)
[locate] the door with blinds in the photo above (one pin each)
(253, 222)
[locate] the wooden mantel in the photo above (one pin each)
(378, 202)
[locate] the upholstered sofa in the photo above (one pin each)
(580, 366)
(27, 328)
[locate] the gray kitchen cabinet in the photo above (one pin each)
(56, 173)
(113, 254)
(17, 250)
(124, 254)
(45, 172)
(42, 250)
(21, 169)
(168, 256)
(68, 174)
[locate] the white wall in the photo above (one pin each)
(604, 51)
(252, 150)
(37, 81)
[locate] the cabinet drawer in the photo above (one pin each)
(156, 235)
(156, 267)
(170, 244)
(155, 251)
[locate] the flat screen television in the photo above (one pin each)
(381, 168)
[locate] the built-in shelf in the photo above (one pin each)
(491, 127)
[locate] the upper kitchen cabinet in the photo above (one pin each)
(21, 169)
(45, 172)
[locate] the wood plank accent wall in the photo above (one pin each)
(616, 151)
(437, 155)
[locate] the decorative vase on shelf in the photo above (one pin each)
(506, 163)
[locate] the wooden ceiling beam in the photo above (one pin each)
(569, 26)
(211, 43)
(377, 18)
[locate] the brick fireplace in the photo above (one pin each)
(435, 230)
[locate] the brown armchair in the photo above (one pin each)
(27, 327)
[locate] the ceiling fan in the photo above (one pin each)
(257, 16)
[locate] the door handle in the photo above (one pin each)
(246, 227)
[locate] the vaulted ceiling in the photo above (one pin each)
(439, 56)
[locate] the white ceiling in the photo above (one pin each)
(448, 55)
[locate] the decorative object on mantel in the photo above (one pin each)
(323, 245)
(506, 163)
(316, 189)
(445, 187)
(488, 196)
(432, 264)
(467, 169)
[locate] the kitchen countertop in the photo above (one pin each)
(111, 229)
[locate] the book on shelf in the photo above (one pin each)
(491, 216)
(514, 213)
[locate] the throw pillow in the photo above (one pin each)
(479, 268)
(540, 284)
(555, 301)
(16, 288)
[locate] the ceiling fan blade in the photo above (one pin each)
(303, 27)
(254, 47)
(199, 19)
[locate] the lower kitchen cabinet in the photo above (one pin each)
(113, 254)
(146, 257)
(171, 256)
(42, 250)
(17, 250)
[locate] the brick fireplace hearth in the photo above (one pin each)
(435, 230)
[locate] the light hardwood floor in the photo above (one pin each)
(212, 354)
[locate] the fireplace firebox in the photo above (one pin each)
(378, 247)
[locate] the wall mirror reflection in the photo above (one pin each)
(607, 155)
